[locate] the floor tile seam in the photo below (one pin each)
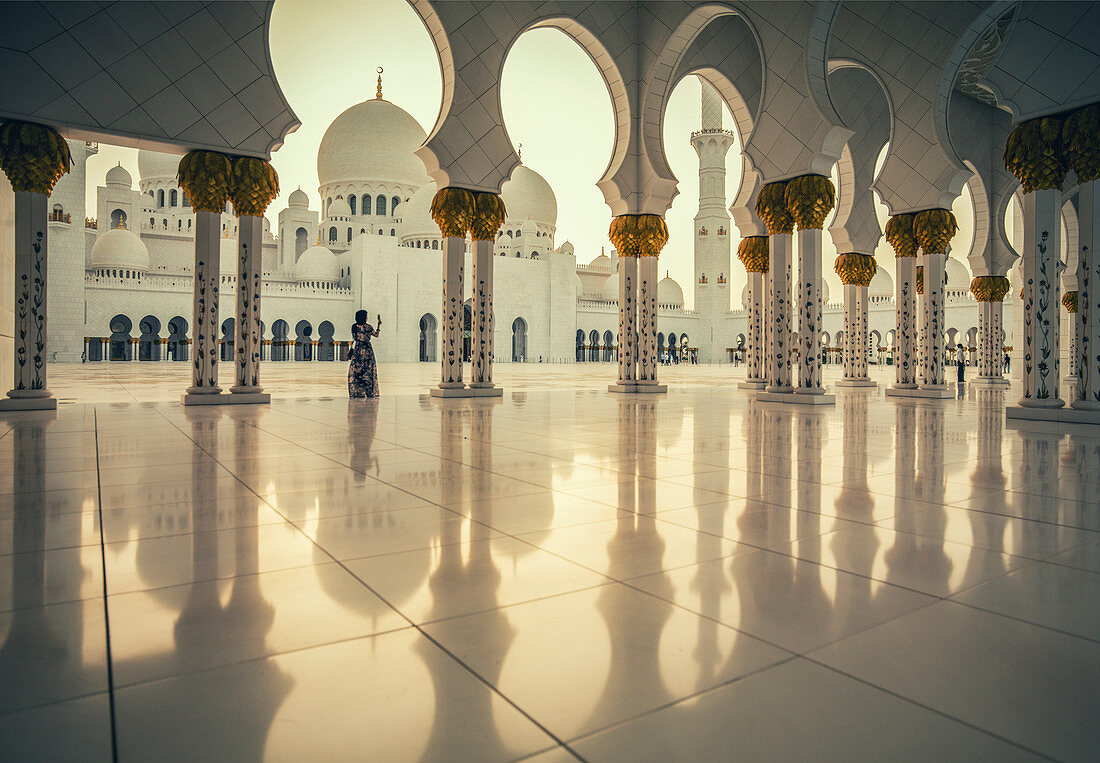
(924, 706)
(552, 748)
(510, 605)
(109, 656)
(686, 698)
(659, 517)
(123, 686)
(1023, 620)
(52, 703)
(216, 579)
(955, 505)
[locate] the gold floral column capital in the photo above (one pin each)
(453, 211)
(771, 207)
(855, 269)
(753, 251)
(810, 199)
(920, 279)
(33, 156)
(638, 235)
(253, 184)
(204, 175)
(1033, 153)
(489, 213)
(1069, 301)
(934, 229)
(899, 234)
(1081, 142)
(989, 288)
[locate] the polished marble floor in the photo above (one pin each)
(559, 574)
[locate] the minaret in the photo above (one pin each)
(712, 227)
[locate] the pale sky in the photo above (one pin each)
(555, 103)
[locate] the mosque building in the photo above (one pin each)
(374, 245)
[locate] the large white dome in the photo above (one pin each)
(669, 292)
(298, 199)
(958, 277)
(527, 195)
(317, 264)
(155, 165)
(120, 248)
(118, 177)
(373, 141)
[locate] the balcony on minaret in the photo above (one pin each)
(721, 231)
(703, 231)
(721, 279)
(703, 278)
(712, 131)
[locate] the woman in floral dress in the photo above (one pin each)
(362, 371)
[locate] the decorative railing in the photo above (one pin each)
(57, 216)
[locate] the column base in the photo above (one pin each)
(853, 383)
(945, 392)
(466, 391)
(801, 398)
(1085, 405)
(753, 384)
(990, 381)
(1058, 415)
(205, 398)
(1040, 404)
(632, 387)
(40, 403)
(248, 398)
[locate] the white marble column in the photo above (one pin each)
(29, 391)
(778, 309)
(855, 337)
(990, 345)
(921, 317)
(482, 340)
(454, 263)
(628, 313)
(1069, 382)
(647, 320)
(247, 332)
(206, 276)
(932, 331)
(1042, 234)
(905, 359)
(755, 377)
(1087, 394)
(809, 306)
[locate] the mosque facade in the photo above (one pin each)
(374, 245)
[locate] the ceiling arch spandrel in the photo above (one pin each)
(792, 136)
(1050, 62)
(863, 108)
(909, 47)
(146, 74)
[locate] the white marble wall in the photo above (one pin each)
(65, 264)
(7, 283)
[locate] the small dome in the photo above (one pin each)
(527, 195)
(317, 264)
(339, 208)
(372, 141)
(528, 228)
(566, 248)
(669, 292)
(118, 177)
(120, 248)
(610, 289)
(745, 296)
(603, 262)
(824, 292)
(155, 165)
(298, 199)
(958, 277)
(416, 214)
(882, 285)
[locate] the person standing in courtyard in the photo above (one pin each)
(960, 361)
(362, 369)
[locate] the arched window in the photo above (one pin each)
(332, 235)
(393, 232)
(173, 198)
(349, 235)
(509, 234)
(418, 244)
(301, 242)
(160, 198)
(380, 205)
(393, 205)
(351, 203)
(179, 225)
(379, 231)
(152, 222)
(435, 244)
(186, 200)
(118, 219)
